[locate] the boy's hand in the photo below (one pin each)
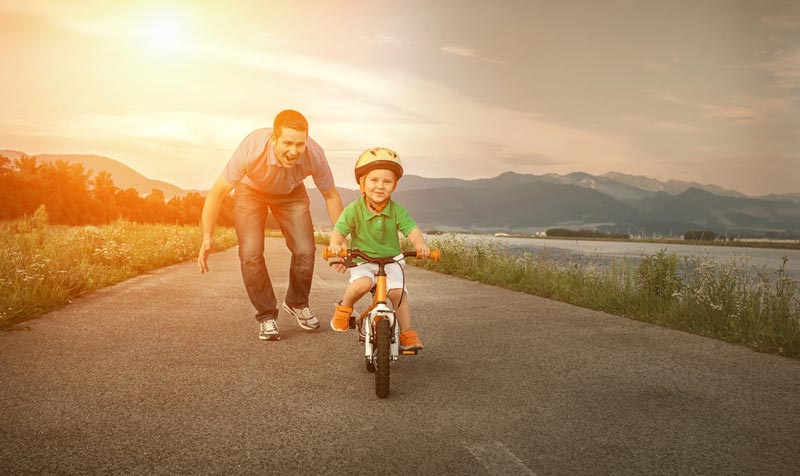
(422, 250)
(334, 249)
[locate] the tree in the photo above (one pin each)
(131, 205)
(67, 195)
(156, 209)
(700, 235)
(10, 189)
(29, 192)
(104, 193)
(186, 210)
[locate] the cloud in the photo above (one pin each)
(734, 114)
(383, 40)
(428, 120)
(525, 162)
(656, 66)
(789, 23)
(192, 129)
(788, 20)
(468, 53)
(432, 125)
(784, 68)
(673, 126)
(437, 129)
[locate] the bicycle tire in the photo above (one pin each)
(382, 344)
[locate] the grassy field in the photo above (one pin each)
(722, 300)
(43, 266)
(781, 245)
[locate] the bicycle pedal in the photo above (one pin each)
(409, 352)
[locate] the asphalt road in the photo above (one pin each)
(165, 374)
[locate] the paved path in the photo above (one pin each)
(164, 374)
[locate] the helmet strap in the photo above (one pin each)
(374, 206)
(377, 208)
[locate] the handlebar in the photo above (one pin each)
(356, 253)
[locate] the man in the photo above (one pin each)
(267, 170)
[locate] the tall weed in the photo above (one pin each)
(44, 266)
(722, 300)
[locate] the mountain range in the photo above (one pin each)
(616, 202)
(525, 203)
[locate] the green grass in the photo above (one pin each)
(776, 245)
(783, 245)
(42, 266)
(721, 300)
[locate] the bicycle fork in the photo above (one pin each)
(367, 330)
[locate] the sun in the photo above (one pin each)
(164, 31)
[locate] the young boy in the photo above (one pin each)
(372, 223)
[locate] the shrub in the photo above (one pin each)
(657, 275)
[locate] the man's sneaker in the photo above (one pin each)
(305, 318)
(409, 340)
(268, 330)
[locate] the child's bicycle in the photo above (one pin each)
(377, 327)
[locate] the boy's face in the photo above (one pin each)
(289, 146)
(379, 185)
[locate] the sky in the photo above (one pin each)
(703, 90)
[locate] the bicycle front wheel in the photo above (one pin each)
(382, 348)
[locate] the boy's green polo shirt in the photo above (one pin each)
(375, 233)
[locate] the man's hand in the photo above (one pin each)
(202, 256)
(422, 250)
(211, 207)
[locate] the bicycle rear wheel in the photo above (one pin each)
(382, 344)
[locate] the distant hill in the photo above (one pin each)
(716, 212)
(791, 197)
(522, 203)
(672, 187)
(628, 189)
(122, 175)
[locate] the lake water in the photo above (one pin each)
(602, 252)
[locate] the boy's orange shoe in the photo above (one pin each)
(340, 321)
(409, 340)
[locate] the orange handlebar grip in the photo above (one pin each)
(433, 255)
(326, 253)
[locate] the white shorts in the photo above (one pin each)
(394, 273)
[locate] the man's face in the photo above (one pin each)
(289, 146)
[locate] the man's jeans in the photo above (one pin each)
(292, 214)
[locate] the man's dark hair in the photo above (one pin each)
(291, 119)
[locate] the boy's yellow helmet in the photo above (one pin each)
(378, 158)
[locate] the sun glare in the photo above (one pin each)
(164, 32)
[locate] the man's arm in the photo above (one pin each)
(211, 208)
(333, 203)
